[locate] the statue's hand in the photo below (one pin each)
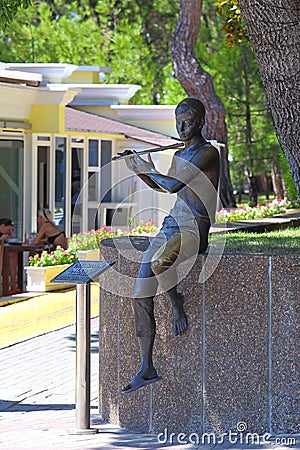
(125, 153)
(139, 165)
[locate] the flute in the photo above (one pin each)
(127, 153)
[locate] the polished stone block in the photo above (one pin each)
(285, 345)
(236, 356)
(238, 363)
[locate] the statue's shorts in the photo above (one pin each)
(172, 246)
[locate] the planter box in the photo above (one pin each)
(89, 255)
(38, 278)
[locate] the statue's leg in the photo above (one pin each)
(143, 308)
(145, 330)
(164, 260)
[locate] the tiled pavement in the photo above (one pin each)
(37, 406)
(37, 392)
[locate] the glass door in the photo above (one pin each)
(60, 183)
(76, 189)
(11, 182)
(43, 176)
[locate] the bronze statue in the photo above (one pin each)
(193, 176)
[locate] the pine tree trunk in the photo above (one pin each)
(277, 180)
(274, 32)
(198, 83)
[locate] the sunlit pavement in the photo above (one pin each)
(40, 314)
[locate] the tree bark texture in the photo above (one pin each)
(277, 180)
(198, 83)
(274, 32)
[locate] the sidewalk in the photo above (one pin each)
(37, 406)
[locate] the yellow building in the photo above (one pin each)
(59, 129)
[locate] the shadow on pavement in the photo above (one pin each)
(13, 406)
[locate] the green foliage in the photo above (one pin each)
(38, 38)
(120, 35)
(9, 10)
(232, 22)
(288, 180)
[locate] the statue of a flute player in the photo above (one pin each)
(193, 176)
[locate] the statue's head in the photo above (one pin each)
(190, 117)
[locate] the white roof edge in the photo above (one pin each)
(145, 112)
(47, 70)
(172, 107)
(99, 69)
(100, 91)
(58, 70)
(19, 75)
(101, 86)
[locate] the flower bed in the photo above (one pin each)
(43, 268)
(57, 257)
(91, 239)
(277, 206)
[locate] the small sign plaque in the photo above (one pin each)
(83, 272)
(140, 243)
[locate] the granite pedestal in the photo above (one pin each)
(237, 363)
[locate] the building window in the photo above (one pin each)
(43, 138)
(106, 178)
(93, 153)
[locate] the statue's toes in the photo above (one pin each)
(175, 330)
(179, 328)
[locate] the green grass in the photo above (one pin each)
(279, 242)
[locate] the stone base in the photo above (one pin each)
(237, 363)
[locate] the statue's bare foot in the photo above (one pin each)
(179, 319)
(179, 322)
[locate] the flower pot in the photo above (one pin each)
(89, 255)
(38, 278)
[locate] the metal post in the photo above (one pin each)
(83, 360)
(82, 273)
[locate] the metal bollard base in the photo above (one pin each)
(83, 431)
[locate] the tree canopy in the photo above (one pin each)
(134, 38)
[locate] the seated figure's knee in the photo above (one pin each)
(156, 266)
(166, 255)
(160, 265)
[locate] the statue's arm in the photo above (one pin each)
(200, 161)
(149, 181)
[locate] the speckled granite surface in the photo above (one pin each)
(237, 363)
(285, 389)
